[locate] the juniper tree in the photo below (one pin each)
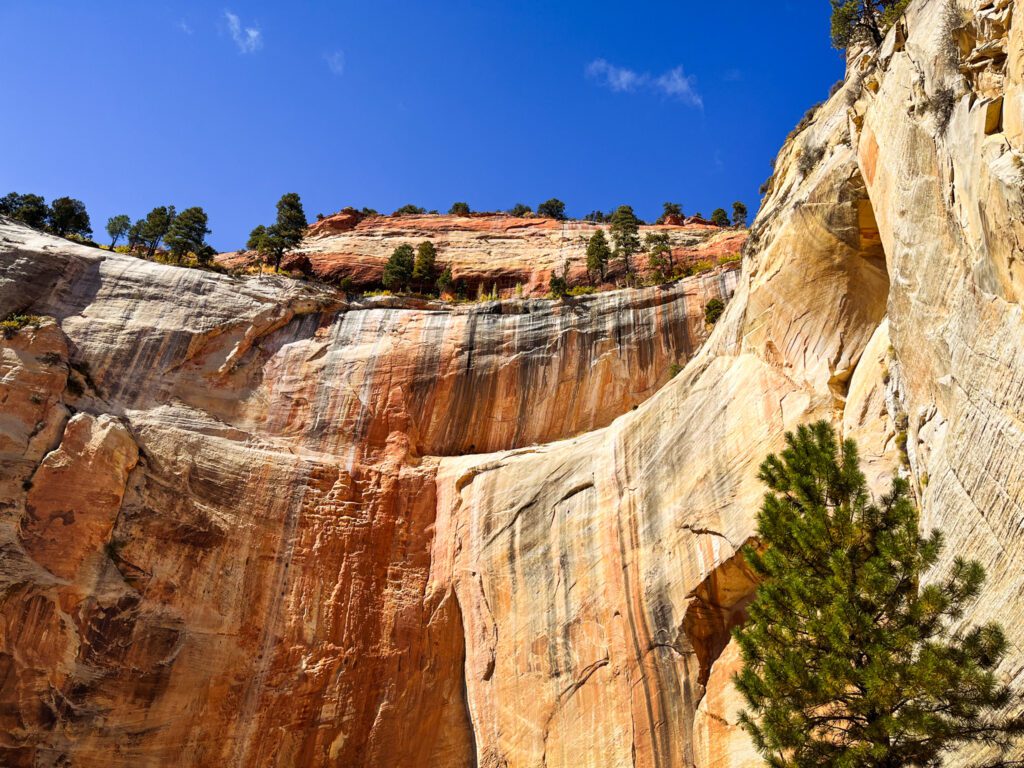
(598, 254)
(398, 270)
(719, 217)
(459, 209)
(854, 20)
(519, 209)
(849, 658)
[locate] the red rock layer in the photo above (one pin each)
(485, 251)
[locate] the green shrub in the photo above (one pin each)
(13, 323)
(409, 210)
(713, 310)
(558, 287)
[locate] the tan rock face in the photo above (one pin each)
(249, 522)
(490, 252)
(76, 494)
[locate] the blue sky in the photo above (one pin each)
(128, 105)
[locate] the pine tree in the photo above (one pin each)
(68, 217)
(854, 20)
(291, 221)
(445, 281)
(136, 236)
(459, 209)
(519, 210)
(719, 217)
(155, 226)
(117, 227)
(598, 254)
(398, 270)
(424, 267)
(849, 660)
(625, 232)
(187, 234)
(659, 255)
(284, 234)
(739, 214)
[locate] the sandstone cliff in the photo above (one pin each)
(485, 251)
(247, 522)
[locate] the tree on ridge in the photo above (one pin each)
(854, 20)
(117, 227)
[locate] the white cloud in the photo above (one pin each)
(336, 62)
(675, 83)
(619, 79)
(248, 39)
(184, 27)
(680, 86)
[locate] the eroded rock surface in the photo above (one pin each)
(249, 522)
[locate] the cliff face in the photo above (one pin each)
(485, 251)
(248, 522)
(220, 499)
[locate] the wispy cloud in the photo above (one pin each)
(248, 39)
(674, 83)
(184, 27)
(732, 75)
(677, 84)
(336, 62)
(619, 79)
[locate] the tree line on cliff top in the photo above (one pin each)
(182, 234)
(555, 209)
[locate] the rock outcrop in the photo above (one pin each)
(249, 522)
(488, 252)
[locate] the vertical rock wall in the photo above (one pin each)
(247, 522)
